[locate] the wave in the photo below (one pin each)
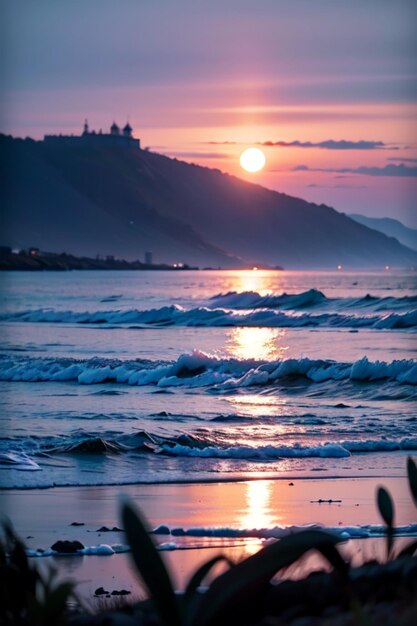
(296, 451)
(198, 369)
(307, 299)
(176, 315)
(335, 450)
(188, 445)
(254, 300)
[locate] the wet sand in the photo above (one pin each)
(41, 517)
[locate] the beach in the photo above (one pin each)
(222, 507)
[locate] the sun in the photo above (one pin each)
(252, 160)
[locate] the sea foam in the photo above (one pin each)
(199, 369)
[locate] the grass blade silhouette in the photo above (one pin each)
(412, 478)
(241, 585)
(150, 566)
(386, 509)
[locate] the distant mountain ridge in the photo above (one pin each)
(390, 227)
(90, 200)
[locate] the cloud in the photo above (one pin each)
(329, 144)
(315, 186)
(409, 160)
(196, 155)
(388, 170)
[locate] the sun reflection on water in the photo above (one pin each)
(265, 344)
(258, 404)
(259, 280)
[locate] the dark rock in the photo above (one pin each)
(67, 547)
(161, 530)
(77, 524)
(290, 484)
(106, 529)
(101, 592)
(95, 446)
(122, 592)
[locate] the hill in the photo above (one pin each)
(91, 200)
(390, 227)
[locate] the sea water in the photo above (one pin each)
(147, 376)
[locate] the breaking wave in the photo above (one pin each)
(307, 299)
(254, 300)
(176, 315)
(190, 445)
(198, 369)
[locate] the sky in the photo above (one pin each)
(326, 88)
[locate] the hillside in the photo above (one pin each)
(102, 200)
(390, 227)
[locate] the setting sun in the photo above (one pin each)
(252, 160)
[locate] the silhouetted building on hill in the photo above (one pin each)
(115, 138)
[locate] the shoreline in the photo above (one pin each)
(211, 481)
(250, 504)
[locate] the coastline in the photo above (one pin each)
(35, 260)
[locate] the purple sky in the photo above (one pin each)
(203, 80)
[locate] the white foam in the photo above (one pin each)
(18, 461)
(327, 450)
(102, 549)
(168, 546)
(367, 531)
(277, 532)
(202, 370)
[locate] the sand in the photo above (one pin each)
(43, 516)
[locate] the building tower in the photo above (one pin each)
(114, 129)
(86, 131)
(127, 131)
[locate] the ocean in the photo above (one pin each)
(118, 378)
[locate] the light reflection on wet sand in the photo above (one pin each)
(257, 504)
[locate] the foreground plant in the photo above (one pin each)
(26, 596)
(386, 509)
(242, 594)
(242, 586)
(242, 589)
